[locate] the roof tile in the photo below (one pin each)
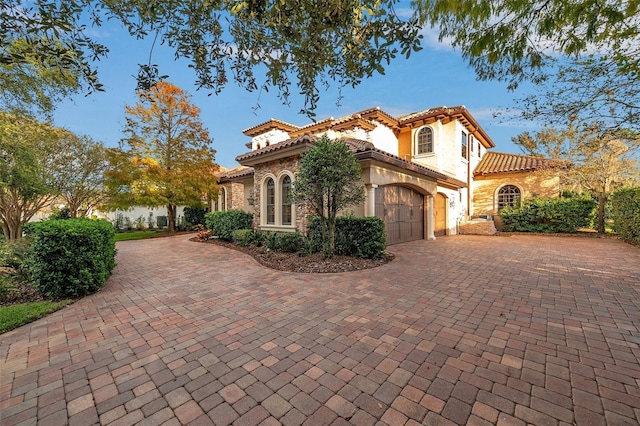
(498, 162)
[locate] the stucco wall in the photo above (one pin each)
(272, 136)
(542, 184)
(382, 137)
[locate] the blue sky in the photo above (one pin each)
(435, 76)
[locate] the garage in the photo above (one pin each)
(402, 210)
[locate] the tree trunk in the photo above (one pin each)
(5, 230)
(602, 201)
(13, 231)
(171, 218)
(332, 237)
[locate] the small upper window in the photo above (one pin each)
(425, 141)
(464, 145)
(479, 149)
(508, 196)
(471, 139)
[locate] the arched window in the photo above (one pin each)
(271, 202)
(425, 141)
(286, 200)
(508, 196)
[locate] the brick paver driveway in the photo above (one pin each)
(462, 330)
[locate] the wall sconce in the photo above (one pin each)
(250, 199)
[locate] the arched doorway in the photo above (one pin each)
(440, 212)
(402, 210)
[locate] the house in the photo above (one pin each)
(424, 173)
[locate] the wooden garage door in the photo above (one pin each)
(402, 210)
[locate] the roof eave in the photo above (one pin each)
(252, 160)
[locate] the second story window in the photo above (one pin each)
(425, 141)
(464, 146)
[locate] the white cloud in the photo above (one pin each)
(431, 39)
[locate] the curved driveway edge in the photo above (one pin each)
(462, 330)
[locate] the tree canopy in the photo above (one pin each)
(30, 167)
(511, 40)
(307, 42)
(583, 53)
(166, 157)
(83, 175)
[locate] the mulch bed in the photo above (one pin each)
(20, 292)
(294, 262)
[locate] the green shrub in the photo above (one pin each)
(549, 215)
(194, 215)
(355, 236)
(625, 205)
(71, 258)
(140, 224)
(15, 255)
(288, 242)
(242, 237)
(222, 224)
(63, 213)
(269, 240)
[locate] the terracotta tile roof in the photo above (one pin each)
(379, 115)
(276, 147)
(362, 149)
(429, 112)
(459, 112)
(274, 123)
(498, 162)
(236, 172)
(357, 145)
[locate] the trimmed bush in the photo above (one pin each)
(71, 258)
(288, 242)
(625, 205)
(549, 215)
(363, 237)
(222, 224)
(194, 215)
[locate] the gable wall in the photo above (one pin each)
(531, 184)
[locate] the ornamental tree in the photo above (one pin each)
(30, 170)
(83, 176)
(166, 157)
(328, 181)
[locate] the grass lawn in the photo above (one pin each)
(137, 235)
(16, 315)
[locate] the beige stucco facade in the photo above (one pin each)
(531, 184)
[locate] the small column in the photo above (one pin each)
(370, 199)
(431, 217)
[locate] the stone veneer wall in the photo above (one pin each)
(291, 164)
(236, 196)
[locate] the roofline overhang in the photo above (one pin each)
(284, 152)
(454, 113)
